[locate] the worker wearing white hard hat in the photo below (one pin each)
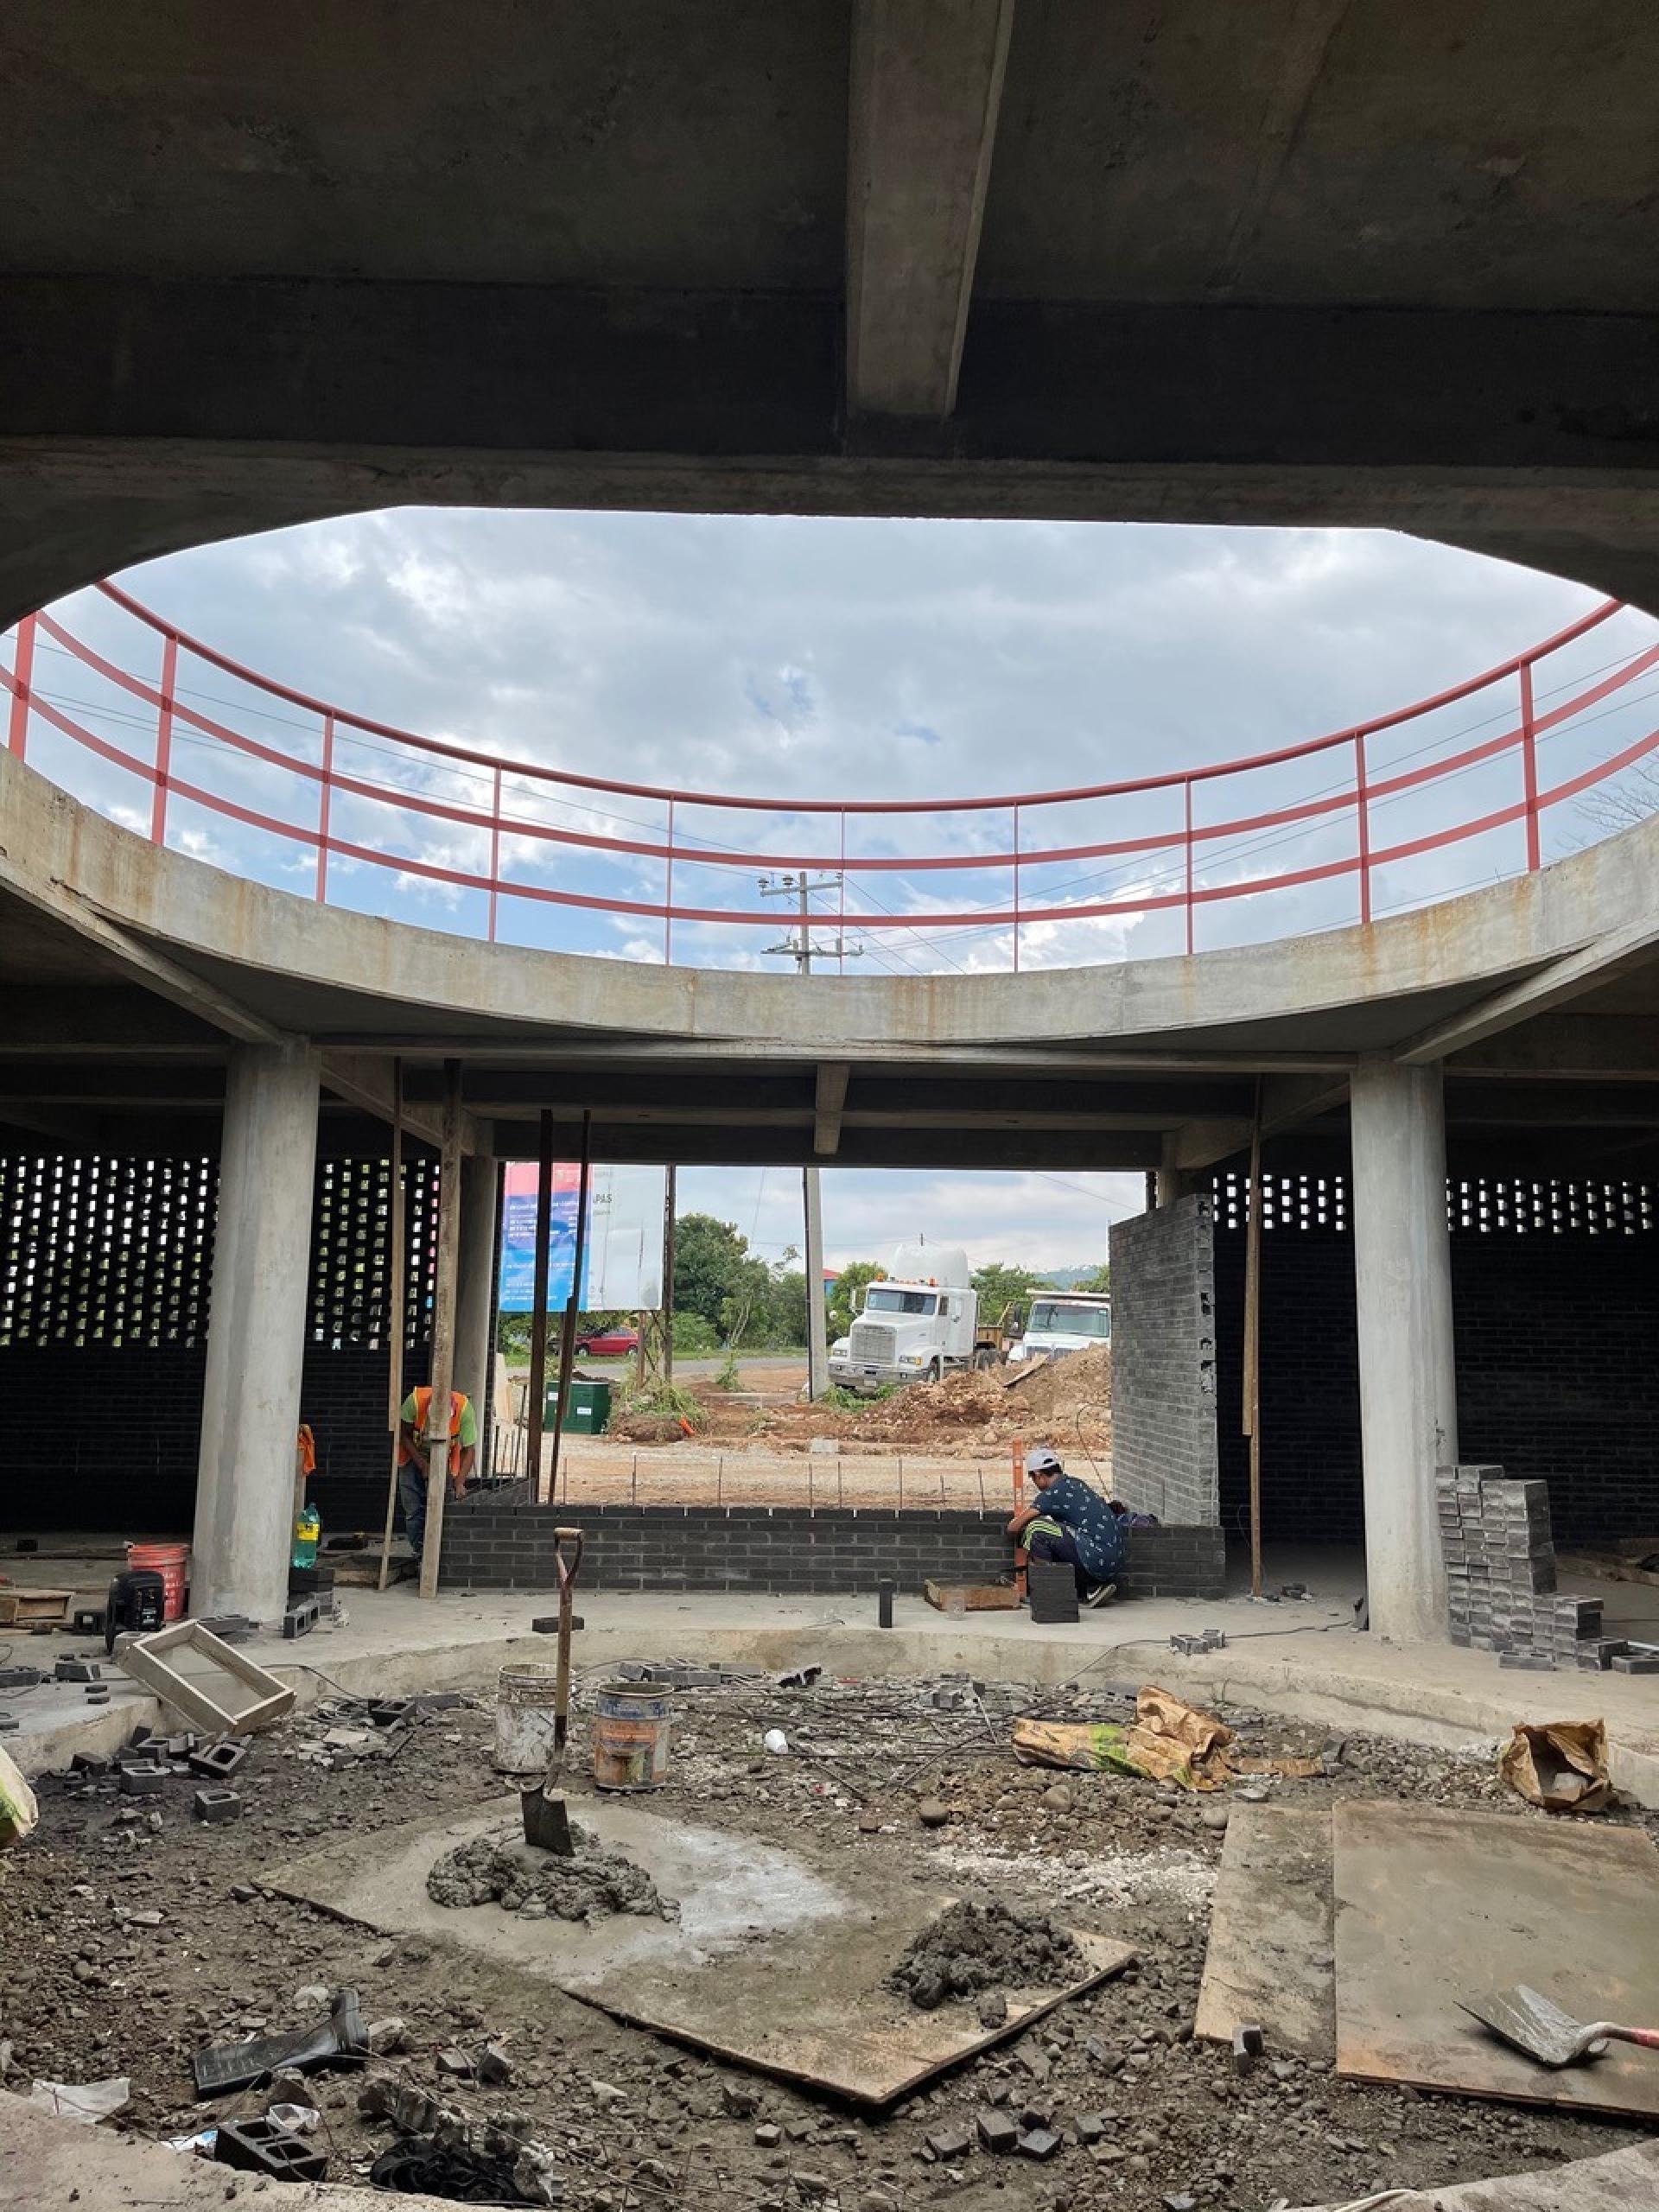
(1070, 1522)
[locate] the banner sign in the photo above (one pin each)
(622, 1262)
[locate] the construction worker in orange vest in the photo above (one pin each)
(412, 1425)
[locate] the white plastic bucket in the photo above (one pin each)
(524, 1719)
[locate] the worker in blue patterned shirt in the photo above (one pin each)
(1072, 1523)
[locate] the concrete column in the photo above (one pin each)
(256, 1333)
(1408, 1384)
(480, 1184)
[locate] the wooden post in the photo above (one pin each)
(1253, 1342)
(669, 1181)
(396, 1301)
(443, 1331)
(573, 1304)
(536, 1409)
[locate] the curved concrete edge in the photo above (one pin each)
(1432, 1694)
(68, 861)
(61, 2166)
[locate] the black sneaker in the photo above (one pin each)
(1101, 1594)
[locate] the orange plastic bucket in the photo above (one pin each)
(170, 1562)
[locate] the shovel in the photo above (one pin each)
(547, 1820)
(1538, 2026)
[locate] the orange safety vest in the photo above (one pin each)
(458, 1402)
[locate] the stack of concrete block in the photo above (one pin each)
(1500, 1574)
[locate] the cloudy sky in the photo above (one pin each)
(797, 659)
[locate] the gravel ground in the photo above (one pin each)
(130, 1934)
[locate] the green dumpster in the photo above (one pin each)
(589, 1411)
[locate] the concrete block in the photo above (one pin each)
(147, 1779)
(216, 1806)
(996, 2132)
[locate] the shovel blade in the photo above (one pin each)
(1532, 2023)
(547, 1822)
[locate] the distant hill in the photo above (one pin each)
(1068, 1278)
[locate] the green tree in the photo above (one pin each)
(856, 1275)
(716, 1274)
(1000, 1287)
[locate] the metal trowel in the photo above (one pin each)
(547, 1818)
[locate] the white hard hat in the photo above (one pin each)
(1040, 1460)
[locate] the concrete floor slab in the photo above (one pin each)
(774, 1963)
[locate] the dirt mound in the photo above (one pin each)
(972, 1947)
(591, 1886)
(1080, 1382)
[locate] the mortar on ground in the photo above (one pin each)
(540, 1885)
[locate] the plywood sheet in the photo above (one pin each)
(1434, 1905)
(1272, 1932)
(774, 1962)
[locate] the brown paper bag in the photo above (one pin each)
(1560, 1764)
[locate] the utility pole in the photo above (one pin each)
(800, 888)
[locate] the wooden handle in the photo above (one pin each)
(1648, 2037)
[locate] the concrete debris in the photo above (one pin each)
(585, 1886)
(932, 1813)
(971, 1948)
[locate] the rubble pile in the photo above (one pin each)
(973, 1947)
(541, 1886)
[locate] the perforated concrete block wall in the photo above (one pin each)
(1164, 1456)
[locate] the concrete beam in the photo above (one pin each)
(925, 88)
(1566, 1047)
(1585, 969)
(122, 949)
(101, 1021)
(365, 1080)
(1287, 1101)
(591, 393)
(768, 1145)
(830, 1097)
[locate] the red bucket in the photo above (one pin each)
(170, 1562)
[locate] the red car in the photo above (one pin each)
(608, 1344)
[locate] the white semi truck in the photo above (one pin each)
(918, 1321)
(1061, 1321)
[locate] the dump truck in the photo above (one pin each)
(1059, 1321)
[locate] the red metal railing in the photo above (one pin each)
(1177, 861)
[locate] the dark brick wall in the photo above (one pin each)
(1557, 1376)
(498, 1542)
(1164, 1362)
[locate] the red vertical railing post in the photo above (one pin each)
(23, 675)
(841, 902)
(163, 740)
(1186, 839)
(1529, 767)
(325, 807)
(1362, 822)
(495, 846)
(668, 895)
(1016, 890)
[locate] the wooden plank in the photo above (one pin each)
(35, 1608)
(1272, 1932)
(976, 1597)
(1434, 1906)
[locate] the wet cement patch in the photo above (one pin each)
(775, 1961)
